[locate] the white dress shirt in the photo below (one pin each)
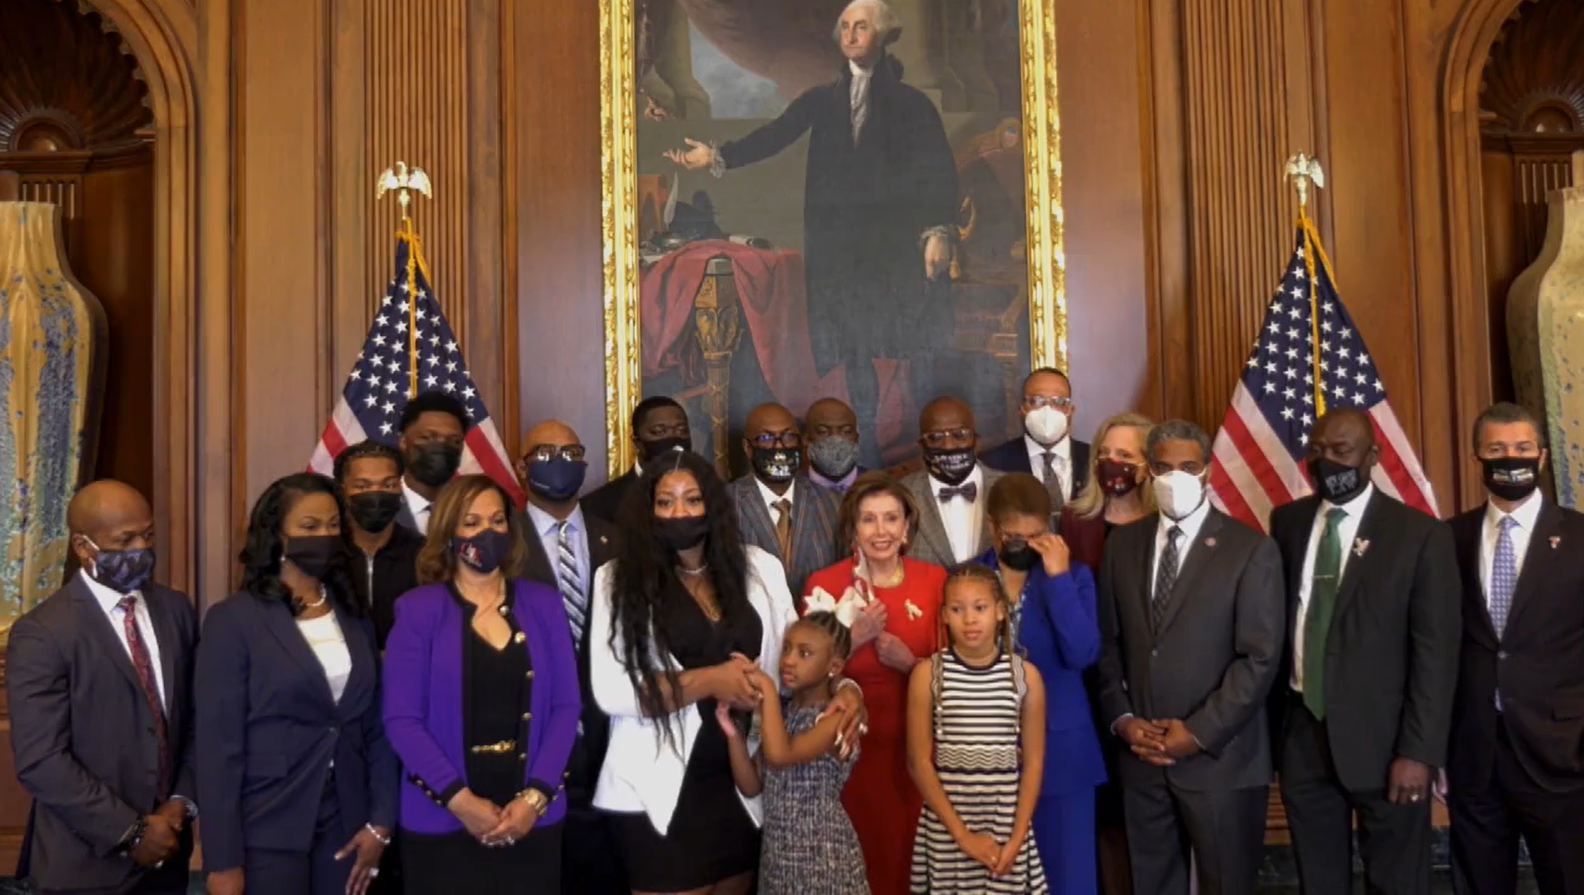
(545, 525)
(1527, 515)
(419, 506)
(1347, 533)
(1190, 526)
(964, 521)
(329, 646)
(1064, 470)
(110, 602)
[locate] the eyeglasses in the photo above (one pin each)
(544, 453)
(777, 439)
(1056, 401)
(939, 437)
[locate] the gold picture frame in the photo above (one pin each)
(1041, 127)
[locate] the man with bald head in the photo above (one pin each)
(1362, 707)
(778, 508)
(951, 488)
(830, 431)
(565, 546)
(98, 678)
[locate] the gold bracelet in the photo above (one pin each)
(535, 799)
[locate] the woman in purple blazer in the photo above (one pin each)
(481, 705)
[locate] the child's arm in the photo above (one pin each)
(780, 750)
(745, 771)
(921, 764)
(1032, 733)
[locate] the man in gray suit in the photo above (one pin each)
(1192, 618)
(99, 682)
(951, 488)
(778, 508)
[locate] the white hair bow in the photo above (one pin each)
(846, 609)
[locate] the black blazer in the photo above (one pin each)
(1538, 662)
(1215, 657)
(589, 751)
(1012, 456)
(1392, 652)
(82, 735)
(268, 730)
(605, 501)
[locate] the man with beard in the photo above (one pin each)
(432, 427)
(950, 488)
(778, 508)
(385, 562)
(879, 208)
(659, 426)
(830, 431)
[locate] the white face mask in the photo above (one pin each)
(1179, 493)
(1046, 425)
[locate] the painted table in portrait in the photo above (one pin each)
(817, 198)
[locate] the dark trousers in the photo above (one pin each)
(1064, 830)
(172, 879)
(314, 872)
(1487, 821)
(1393, 839)
(590, 861)
(1169, 827)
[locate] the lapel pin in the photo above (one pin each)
(1360, 546)
(1555, 541)
(1210, 542)
(913, 611)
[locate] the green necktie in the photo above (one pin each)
(1322, 601)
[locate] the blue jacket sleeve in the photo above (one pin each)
(1069, 601)
(220, 705)
(383, 768)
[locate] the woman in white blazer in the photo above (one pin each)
(677, 619)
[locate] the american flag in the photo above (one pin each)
(371, 403)
(1259, 452)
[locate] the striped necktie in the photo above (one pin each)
(570, 583)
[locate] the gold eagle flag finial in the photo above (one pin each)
(1303, 171)
(404, 181)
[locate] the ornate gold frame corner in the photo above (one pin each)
(1047, 289)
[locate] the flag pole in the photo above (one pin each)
(1304, 171)
(403, 180)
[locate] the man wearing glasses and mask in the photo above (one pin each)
(951, 488)
(1046, 449)
(565, 546)
(778, 508)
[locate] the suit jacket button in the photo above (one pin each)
(529, 675)
(1501, 654)
(527, 716)
(1154, 653)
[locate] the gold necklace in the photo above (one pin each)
(896, 577)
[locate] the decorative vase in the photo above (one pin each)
(52, 338)
(1545, 323)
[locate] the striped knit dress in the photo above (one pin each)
(976, 757)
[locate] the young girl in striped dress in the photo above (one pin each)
(976, 748)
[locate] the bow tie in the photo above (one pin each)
(968, 491)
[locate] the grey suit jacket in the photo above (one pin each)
(1215, 657)
(814, 524)
(83, 736)
(932, 543)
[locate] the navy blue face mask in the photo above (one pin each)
(123, 571)
(556, 479)
(483, 552)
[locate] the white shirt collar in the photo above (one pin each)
(108, 599)
(1189, 524)
(1062, 448)
(415, 501)
(859, 71)
(545, 524)
(1354, 507)
(1527, 514)
(770, 497)
(977, 477)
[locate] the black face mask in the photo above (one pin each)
(777, 465)
(1336, 482)
(434, 464)
(483, 552)
(374, 511)
(680, 533)
(1017, 555)
(1511, 478)
(950, 465)
(659, 447)
(315, 555)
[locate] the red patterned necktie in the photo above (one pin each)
(145, 673)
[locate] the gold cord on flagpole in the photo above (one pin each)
(403, 180)
(1304, 171)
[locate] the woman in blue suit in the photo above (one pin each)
(1057, 629)
(296, 780)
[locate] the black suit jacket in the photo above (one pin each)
(83, 737)
(589, 752)
(268, 729)
(1392, 651)
(1012, 456)
(605, 501)
(1537, 662)
(1214, 659)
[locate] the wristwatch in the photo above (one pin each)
(535, 799)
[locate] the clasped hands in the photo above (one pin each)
(998, 857)
(1161, 743)
(491, 824)
(741, 684)
(161, 835)
(891, 650)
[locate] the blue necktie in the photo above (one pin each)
(1503, 577)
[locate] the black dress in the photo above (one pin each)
(495, 689)
(711, 837)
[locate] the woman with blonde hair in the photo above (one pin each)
(1112, 494)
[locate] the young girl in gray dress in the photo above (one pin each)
(809, 847)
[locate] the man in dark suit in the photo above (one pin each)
(385, 562)
(830, 437)
(1364, 701)
(1046, 449)
(1515, 766)
(432, 428)
(778, 508)
(659, 425)
(98, 679)
(565, 546)
(951, 488)
(1191, 624)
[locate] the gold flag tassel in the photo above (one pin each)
(403, 181)
(1304, 171)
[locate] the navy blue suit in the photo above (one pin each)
(1059, 632)
(268, 732)
(1013, 456)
